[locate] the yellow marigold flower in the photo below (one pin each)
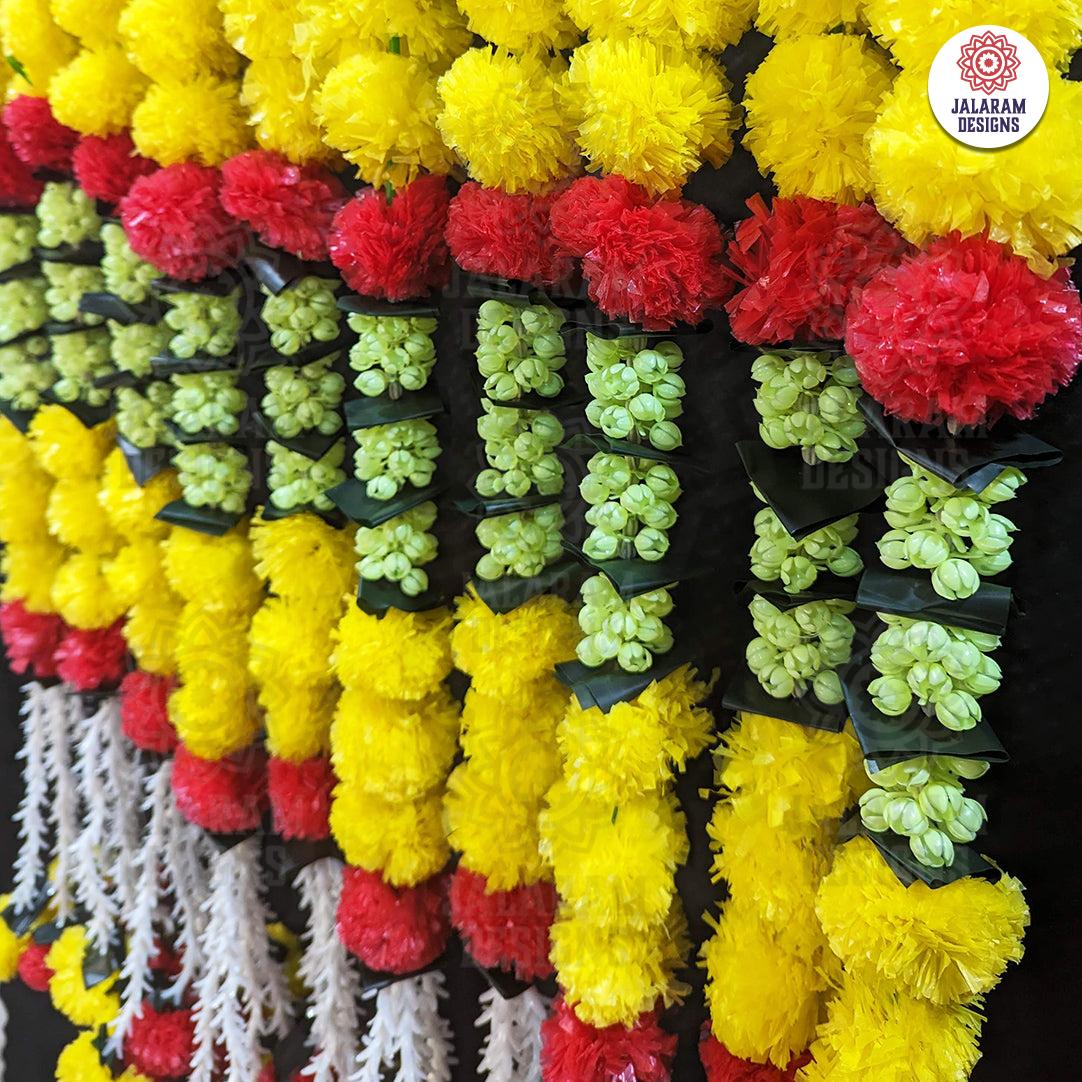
(23, 500)
(136, 573)
(131, 507)
(699, 24)
(172, 39)
(784, 19)
(292, 641)
(403, 840)
(652, 113)
(401, 655)
(79, 1061)
(298, 719)
(97, 92)
(28, 33)
(93, 22)
(322, 37)
(77, 519)
(151, 633)
(809, 105)
(431, 30)
(65, 447)
(214, 715)
(281, 111)
(16, 454)
(11, 946)
(303, 558)
(504, 116)
(258, 28)
(83, 1006)
(29, 572)
(209, 639)
(521, 25)
(81, 593)
(216, 572)
(379, 110)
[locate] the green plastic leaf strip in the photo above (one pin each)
(562, 578)
(371, 306)
(144, 463)
(277, 270)
(354, 502)
(828, 587)
(208, 520)
(377, 596)
(87, 253)
(589, 442)
(19, 418)
(478, 507)
(110, 306)
(382, 409)
(313, 445)
(746, 693)
(220, 286)
(634, 576)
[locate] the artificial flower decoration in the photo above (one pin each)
(505, 117)
(785, 19)
(224, 796)
(432, 30)
(97, 92)
(169, 41)
(37, 137)
(651, 113)
(380, 110)
(915, 30)
(19, 188)
(288, 206)
(80, 1002)
(965, 331)
(300, 797)
(520, 25)
(30, 639)
(490, 231)
(107, 166)
(174, 219)
(90, 659)
(393, 247)
(808, 107)
(258, 28)
(699, 24)
(144, 711)
(654, 262)
(34, 970)
(799, 263)
(93, 22)
(722, 1066)
(1024, 195)
(159, 1042)
(281, 111)
(29, 34)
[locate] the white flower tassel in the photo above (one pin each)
(327, 970)
(511, 1051)
(38, 704)
(188, 855)
(242, 992)
(64, 715)
(125, 780)
(408, 1040)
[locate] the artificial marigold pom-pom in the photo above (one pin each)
(799, 263)
(303, 558)
(97, 92)
(699, 24)
(159, 1043)
(19, 188)
(648, 112)
(653, 262)
(170, 41)
(573, 1051)
(519, 25)
(300, 797)
(808, 106)
(30, 639)
(175, 220)
(965, 331)
(80, 1061)
(785, 19)
(224, 796)
(84, 1006)
(508, 929)
(32, 37)
(289, 206)
(505, 117)
(92, 659)
(37, 137)
(107, 166)
(282, 111)
(34, 971)
(722, 1066)
(394, 248)
(392, 930)
(490, 231)
(144, 712)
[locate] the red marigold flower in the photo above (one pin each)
(391, 929)
(159, 1043)
(504, 928)
(722, 1066)
(573, 1051)
(36, 136)
(965, 331)
(289, 206)
(300, 797)
(224, 796)
(798, 264)
(33, 971)
(494, 232)
(19, 188)
(144, 711)
(92, 659)
(394, 248)
(175, 220)
(31, 639)
(653, 262)
(106, 166)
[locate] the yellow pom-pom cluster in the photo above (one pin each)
(280, 110)
(699, 24)
(80, 1061)
(93, 22)
(809, 105)
(65, 447)
(97, 92)
(1025, 195)
(172, 39)
(652, 113)
(432, 30)
(915, 30)
(783, 788)
(11, 946)
(29, 34)
(307, 566)
(520, 25)
(258, 28)
(81, 1005)
(505, 117)
(380, 110)
(784, 19)
(131, 507)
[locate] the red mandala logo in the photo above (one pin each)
(989, 62)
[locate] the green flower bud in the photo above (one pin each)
(955, 580)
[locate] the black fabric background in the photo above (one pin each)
(1032, 801)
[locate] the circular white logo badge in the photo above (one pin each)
(988, 86)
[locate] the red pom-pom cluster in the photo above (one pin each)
(175, 220)
(507, 235)
(106, 166)
(965, 331)
(394, 248)
(19, 188)
(655, 262)
(392, 930)
(508, 929)
(36, 136)
(92, 659)
(289, 206)
(33, 970)
(800, 262)
(30, 639)
(300, 797)
(224, 796)
(722, 1066)
(144, 711)
(572, 1051)
(159, 1043)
